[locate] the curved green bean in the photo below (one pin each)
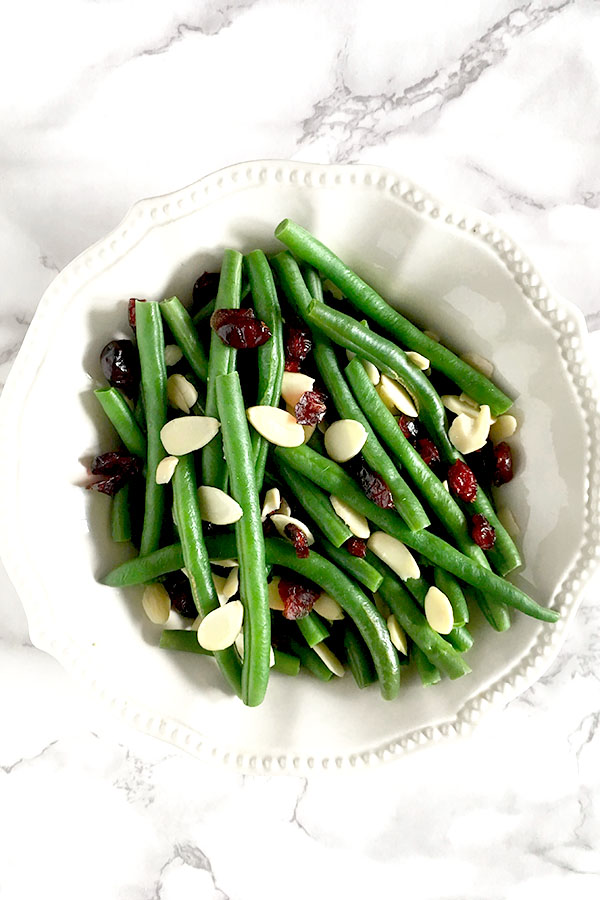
(448, 585)
(358, 658)
(120, 518)
(428, 673)
(496, 614)
(313, 629)
(311, 661)
(317, 505)
(143, 569)
(123, 420)
(204, 313)
(460, 638)
(312, 281)
(180, 322)
(358, 568)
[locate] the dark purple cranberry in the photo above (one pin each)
(178, 588)
(298, 539)
(462, 481)
(409, 428)
(373, 485)
(428, 452)
(298, 599)
(239, 328)
(291, 365)
(503, 469)
(131, 312)
(356, 547)
(110, 485)
(205, 289)
(311, 408)
(116, 462)
(298, 345)
(121, 366)
(482, 532)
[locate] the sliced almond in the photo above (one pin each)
(293, 385)
(165, 469)
(468, 434)
(397, 635)
(395, 396)
(239, 646)
(219, 629)
(344, 439)
(156, 603)
(181, 393)
(232, 583)
(276, 425)
(219, 583)
(438, 611)
(394, 554)
(418, 360)
(275, 601)
(459, 406)
(357, 524)
(329, 658)
(432, 335)
(173, 355)
(284, 508)
(469, 400)
(271, 503)
(218, 507)
(371, 369)
(225, 563)
(381, 606)
(329, 608)
(446, 486)
(188, 433)
(280, 522)
(504, 427)
(480, 363)
(508, 520)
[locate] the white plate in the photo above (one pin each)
(453, 271)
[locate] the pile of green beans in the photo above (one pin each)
(286, 291)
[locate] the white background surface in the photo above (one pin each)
(484, 103)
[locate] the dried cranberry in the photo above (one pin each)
(298, 539)
(409, 428)
(503, 470)
(356, 547)
(121, 366)
(178, 587)
(109, 486)
(292, 365)
(428, 452)
(239, 328)
(298, 345)
(131, 312)
(482, 532)
(205, 289)
(311, 408)
(298, 599)
(116, 462)
(482, 463)
(372, 484)
(462, 481)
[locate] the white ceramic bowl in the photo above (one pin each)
(451, 270)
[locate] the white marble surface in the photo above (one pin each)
(486, 103)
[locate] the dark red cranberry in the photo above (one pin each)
(462, 481)
(109, 486)
(298, 599)
(482, 532)
(482, 462)
(298, 345)
(292, 365)
(178, 587)
(503, 469)
(372, 484)
(205, 289)
(428, 452)
(131, 312)
(121, 366)
(356, 547)
(116, 462)
(298, 539)
(409, 428)
(311, 408)
(239, 328)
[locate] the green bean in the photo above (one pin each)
(249, 539)
(120, 518)
(179, 321)
(204, 313)
(317, 505)
(358, 658)
(331, 477)
(358, 568)
(195, 556)
(221, 360)
(428, 673)
(151, 347)
(460, 638)
(270, 355)
(116, 408)
(406, 502)
(368, 301)
(312, 281)
(448, 585)
(441, 502)
(187, 641)
(286, 663)
(354, 603)
(290, 278)
(313, 629)
(139, 413)
(495, 613)
(418, 587)
(142, 570)
(504, 555)
(311, 661)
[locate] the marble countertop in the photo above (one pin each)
(486, 103)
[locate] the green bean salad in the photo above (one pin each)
(310, 481)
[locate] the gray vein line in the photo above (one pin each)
(189, 855)
(27, 759)
(584, 734)
(294, 817)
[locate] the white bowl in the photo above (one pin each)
(451, 270)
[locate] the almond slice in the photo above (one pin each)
(466, 399)
(504, 427)
(276, 425)
(293, 385)
(219, 583)
(181, 393)
(371, 369)
(327, 607)
(271, 503)
(239, 646)
(156, 603)
(280, 521)
(218, 507)
(468, 434)
(480, 363)
(173, 355)
(284, 508)
(357, 524)
(394, 554)
(329, 658)
(344, 439)
(418, 360)
(165, 469)
(225, 563)
(438, 611)
(188, 433)
(232, 583)
(395, 396)
(275, 601)
(219, 629)
(397, 635)
(460, 406)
